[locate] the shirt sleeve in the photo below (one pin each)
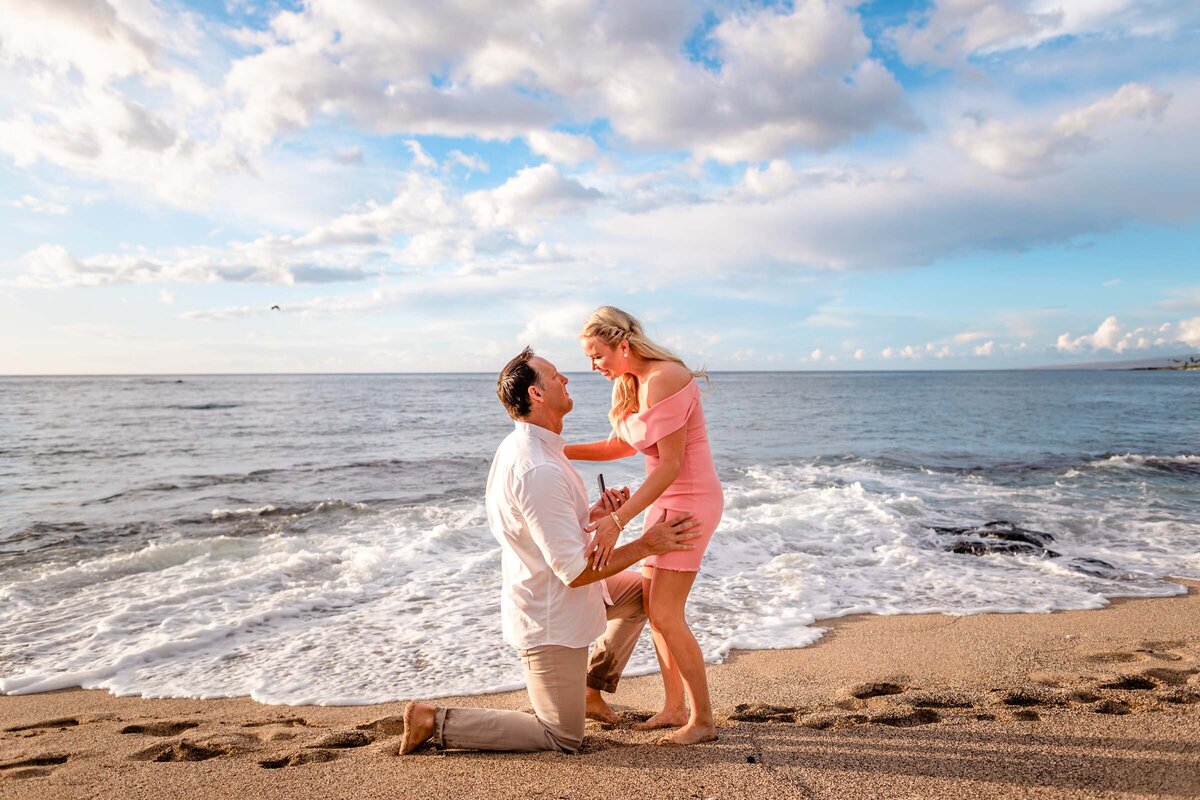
(545, 500)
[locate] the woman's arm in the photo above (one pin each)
(670, 461)
(604, 450)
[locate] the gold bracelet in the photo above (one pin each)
(617, 520)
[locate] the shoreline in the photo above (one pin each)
(1089, 703)
(822, 625)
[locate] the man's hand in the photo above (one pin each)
(672, 534)
(610, 501)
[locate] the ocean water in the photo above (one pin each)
(321, 539)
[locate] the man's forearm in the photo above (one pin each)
(622, 557)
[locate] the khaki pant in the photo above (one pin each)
(555, 678)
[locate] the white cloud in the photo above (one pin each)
(1189, 331)
(941, 207)
(166, 297)
(421, 205)
(952, 31)
(472, 163)
(966, 337)
(776, 179)
(815, 355)
(985, 349)
(798, 78)
(564, 148)
(420, 159)
(38, 206)
(1026, 151)
(532, 195)
(553, 325)
(860, 354)
(1113, 336)
(53, 266)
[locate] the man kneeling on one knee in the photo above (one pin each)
(553, 603)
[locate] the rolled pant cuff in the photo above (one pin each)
(438, 740)
(601, 685)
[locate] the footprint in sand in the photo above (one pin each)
(1171, 677)
(905, 717)
(1131, 683)
(864, 691)
(63, 722)
(200, 749)
(340, 740)
(32, 766)
(288, 722)
(1026, 698)
(625, 719)
(160, 728)
(941, 698)
(756, 712)
(1115, 657)
(1164, 650)
(1180, 697)
(1026, 715)
(298, 758)
(1110, 706)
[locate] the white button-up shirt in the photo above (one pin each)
(537, 509)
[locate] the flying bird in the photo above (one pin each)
(274, 308)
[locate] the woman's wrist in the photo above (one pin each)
(617, 520)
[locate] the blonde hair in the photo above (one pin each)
(612, 326)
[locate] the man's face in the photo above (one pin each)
(555, 397)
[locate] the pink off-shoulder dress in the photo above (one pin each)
(697, 488)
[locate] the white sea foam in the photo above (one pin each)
(404, 602)
(227, 513)
(1134, 460)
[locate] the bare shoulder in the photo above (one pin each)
(666, 379)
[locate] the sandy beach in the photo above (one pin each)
(1075, 704)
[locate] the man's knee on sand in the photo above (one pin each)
(565, 741)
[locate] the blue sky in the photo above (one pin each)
(430, 186)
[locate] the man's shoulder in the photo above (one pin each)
(521, 453)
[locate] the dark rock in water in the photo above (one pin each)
(998, 537)
(1006, 548)
(1001, 530)
(1095, 567)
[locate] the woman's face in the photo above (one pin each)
(605, 359)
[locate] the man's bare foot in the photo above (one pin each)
(667, 718)
(597, 709)
(690, 734)
(418, 726)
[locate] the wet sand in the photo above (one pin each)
(1076, 704)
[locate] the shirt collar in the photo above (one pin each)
(545, 434)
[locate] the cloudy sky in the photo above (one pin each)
(424, 186)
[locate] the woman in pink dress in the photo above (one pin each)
(656, 411)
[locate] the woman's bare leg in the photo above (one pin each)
(674, 712)
(668, 596)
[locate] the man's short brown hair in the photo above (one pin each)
(513, 386)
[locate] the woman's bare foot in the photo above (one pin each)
(597, 709)
(690, 734)
(667, 718)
